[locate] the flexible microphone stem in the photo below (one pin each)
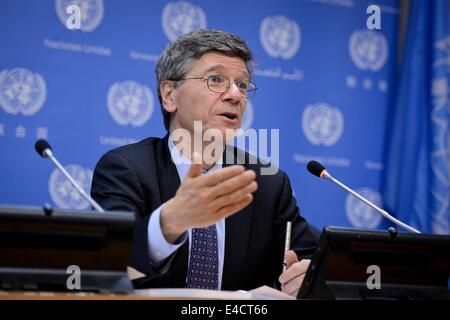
(326, 175)
(48, 153)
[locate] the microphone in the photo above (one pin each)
(319, 170)
(44, 150)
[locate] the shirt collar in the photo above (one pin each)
(182, 163)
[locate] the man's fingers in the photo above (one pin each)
(233, 183)
(293, 286)
(235, 207)
(291, 258)
(235, 196)
(294, 270)
(215, 177)
(292, 279)
(196, 168)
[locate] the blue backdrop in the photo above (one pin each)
(324, 79)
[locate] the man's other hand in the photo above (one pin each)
(292, 279)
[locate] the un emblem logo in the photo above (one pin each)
(280, 37)
(180, 18)
(22, 91)
(322, 124)
(361, 215)
(91, 12)
(368, 49)
(63, 194)
(130, 103)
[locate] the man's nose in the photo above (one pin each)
(233, 93)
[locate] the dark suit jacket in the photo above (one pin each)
(141, 176)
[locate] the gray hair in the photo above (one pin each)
(178, 57)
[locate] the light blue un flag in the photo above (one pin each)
(416, 186)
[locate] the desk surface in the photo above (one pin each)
(149, 294)
(18, 295)
(261, 293)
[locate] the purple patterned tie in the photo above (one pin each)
(203, 271)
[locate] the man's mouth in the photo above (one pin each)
(230, 115)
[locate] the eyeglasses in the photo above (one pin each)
(220, 84)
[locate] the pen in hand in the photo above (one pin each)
(287, 244)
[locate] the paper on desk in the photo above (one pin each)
(268, 293)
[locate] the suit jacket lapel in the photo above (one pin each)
(169, 182)
(168, 178)
(237, 234)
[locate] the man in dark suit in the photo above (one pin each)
(202, 220)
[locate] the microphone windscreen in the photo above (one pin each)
(41, 145)
(315, 168)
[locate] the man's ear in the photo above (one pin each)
(167, 95)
